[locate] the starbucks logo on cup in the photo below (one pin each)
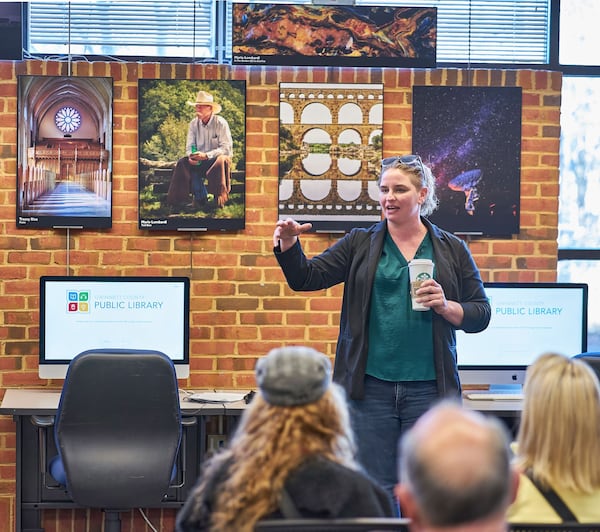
(423, 276)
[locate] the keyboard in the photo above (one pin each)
(491, 396)
(215, 397)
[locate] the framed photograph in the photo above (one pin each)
(471, 139)
(192, 145)
(64, 161)
(334, 35)
(330, 146)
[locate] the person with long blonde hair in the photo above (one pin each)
(292, 454)
(558, 443)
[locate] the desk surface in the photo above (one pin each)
(39, 401)
(30, 401)
(500, 408)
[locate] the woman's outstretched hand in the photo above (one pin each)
(287, 231)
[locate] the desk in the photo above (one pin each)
(509, 412)
(35, 442)
(503, 409)
(25, 402)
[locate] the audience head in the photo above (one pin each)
(297, 408)
(293, 376)
(559, 433)
(455, 471)
(296, 413)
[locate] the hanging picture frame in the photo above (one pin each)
(64, 152)
(330, 146)
(207, 194)
(334, 35)
(470, 137)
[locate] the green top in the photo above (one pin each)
(400, 339)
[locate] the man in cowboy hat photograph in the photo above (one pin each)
(205, 171)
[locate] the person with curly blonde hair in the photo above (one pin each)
(292, 454)
(394, 362)
(558, 443)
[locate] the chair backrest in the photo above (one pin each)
(397, 524)
(558, 527)
(354, 524)
(593, 359)
(118, 427)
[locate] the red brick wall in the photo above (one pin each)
(240, 305)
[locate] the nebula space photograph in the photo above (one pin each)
(470, 137)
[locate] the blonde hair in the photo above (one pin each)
(559, 435)
(269, 443)
(421, 177)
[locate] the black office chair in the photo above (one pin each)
(396, 524)
(117, 431)
(558, 527)
(591, 358)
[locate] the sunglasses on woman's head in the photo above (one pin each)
(413, 161)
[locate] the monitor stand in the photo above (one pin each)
(497, 392)
(506, 388)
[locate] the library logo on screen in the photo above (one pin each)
(78, 300)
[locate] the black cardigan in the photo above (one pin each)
(353, 260)
(318, 488)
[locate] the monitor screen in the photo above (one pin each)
(528, 319)
(80, 313)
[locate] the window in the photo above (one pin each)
(492, 31)
(579, 36)
(579, 210)
(469, 31)
(182, 29)
(586, 271)
(579, 213)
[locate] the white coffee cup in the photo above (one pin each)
(419, 270)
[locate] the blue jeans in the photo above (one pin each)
(198, 174)
(387, 411)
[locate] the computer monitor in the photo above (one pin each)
(528, 319)
(92, 312)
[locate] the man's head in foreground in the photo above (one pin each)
(455, 471)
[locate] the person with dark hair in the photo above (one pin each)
(393, 361)
(292, 454)
(455, 472)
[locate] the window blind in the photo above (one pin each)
(183, 28)
(488, 31)
(469, 31)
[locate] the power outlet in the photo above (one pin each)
(215, 442)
